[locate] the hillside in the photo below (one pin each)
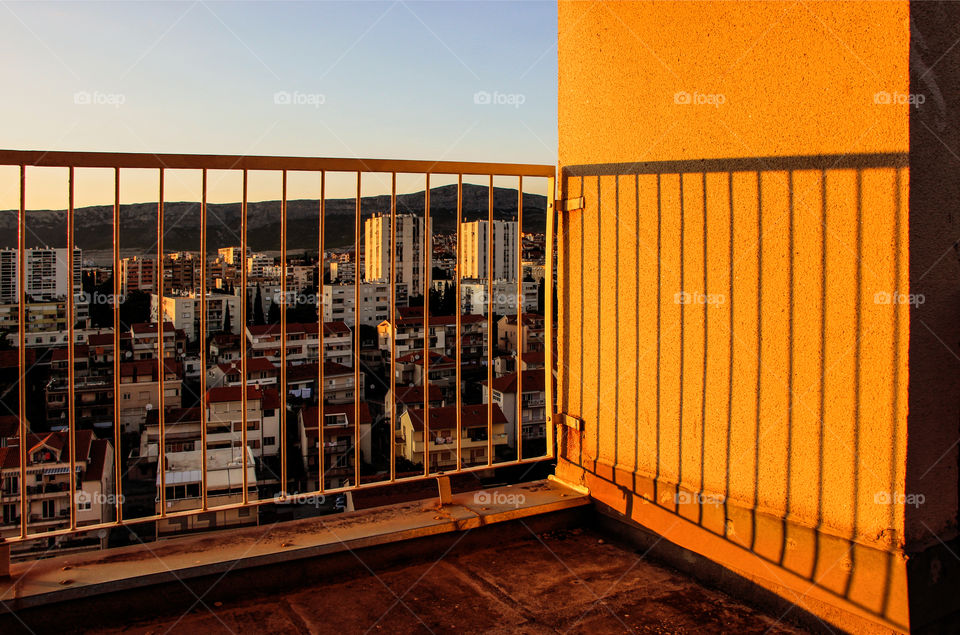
(138, 227)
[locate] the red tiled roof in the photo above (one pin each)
(528, 318)
(441, 320)
(329, 328)
(417, 358)
(414, 394)
(173, 416)
(310, 416)
(148, 367)
(254, 364)
(150, 328)
(98, 459)
(10, 456)
(63, 354)
(271, 399)
(311, 370)
(11, 358)
(9, 425)
(232, 393)
(533, 381)
(474, 416)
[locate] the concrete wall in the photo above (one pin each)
(737, 332)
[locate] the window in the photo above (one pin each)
(49, 509)
(269, 440)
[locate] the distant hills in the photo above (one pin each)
(138, 223)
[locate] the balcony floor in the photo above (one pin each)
(570, 580)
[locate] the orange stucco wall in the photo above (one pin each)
(731, 331)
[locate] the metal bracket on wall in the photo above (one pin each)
(568, 420)
(569, 204)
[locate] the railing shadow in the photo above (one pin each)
(759, 395)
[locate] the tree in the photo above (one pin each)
(258, 308)
(273, 315)
(226, 319)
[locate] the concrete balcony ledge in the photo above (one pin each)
(118, 580)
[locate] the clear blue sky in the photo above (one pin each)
(396, 80)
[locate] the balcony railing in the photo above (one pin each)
(26, 161)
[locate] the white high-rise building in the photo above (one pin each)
(339, 303)
(47, 275)
(475, 251)
(409, 251)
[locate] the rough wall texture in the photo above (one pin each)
(740, 331)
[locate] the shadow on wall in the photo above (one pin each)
(734, 334)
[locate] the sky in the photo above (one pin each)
(471, 81)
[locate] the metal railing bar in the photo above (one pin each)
(393, 326)
(158, 283)
(203, 341)
(283, 342)
(321, 327)
(22, 353)
(117, 438)
(243, 339)
(459, 311)
(356, 340)
(425, 294)
(71, 354)
(490, 341)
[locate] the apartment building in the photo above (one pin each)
(138, 273)
(225, 419)
(143, 340)
(139, 390)
(225, 470)
(443, 436)
(533, 404)
(184, 312)
(339, 301)
(410, 370)
(48, 275)
(406, 397)
(529, 333)
(256, 265)
(409, 335)
(337, 382)
(260, 372)
(409, 254)
(339, 438)
(303, 343)
(475, 254)
(48, 487)
(232, 255)
(474, 296)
